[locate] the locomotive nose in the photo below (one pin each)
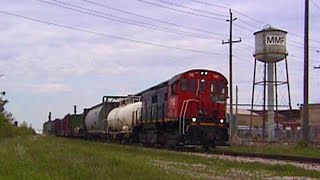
(201, 135)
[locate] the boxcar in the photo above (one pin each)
(58, 127)
(67, 125)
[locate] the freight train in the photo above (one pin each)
(188, 109)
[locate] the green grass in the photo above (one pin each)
(44, 157)
(297, 150)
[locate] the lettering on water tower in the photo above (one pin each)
(275, 40)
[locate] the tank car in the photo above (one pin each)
(95, 118)
(122, 119)
(95, 121)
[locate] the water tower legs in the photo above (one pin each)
(269, 108)
(270, 114)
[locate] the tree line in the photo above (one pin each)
(8, 126)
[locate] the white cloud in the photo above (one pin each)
(39, 88)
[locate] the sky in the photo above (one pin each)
(73, 52)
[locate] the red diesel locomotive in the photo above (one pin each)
(190, 108)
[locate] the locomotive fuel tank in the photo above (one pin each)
(121, 119)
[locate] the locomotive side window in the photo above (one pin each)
(193, 85)
(173, 89)
(165, 96)
(154, 99)
(218, 90)
(223, 89)
(202, 85)
(213, 88)
(184, 84)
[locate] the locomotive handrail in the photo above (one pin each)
(198, 87)
(180, 117)
(185, 112)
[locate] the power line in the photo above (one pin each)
(301, 47)
(245, 47)
(204, 12)
(254, 19)
(249, 24)
(124, 20)
(159, 5)
(110, 36)
(187, 12)
(293, 34)
(215, 14)
(299, 43)
(214, 5)
(219, 6)
(297, 57)
(314, 3)
(242, 27)
(153, 19)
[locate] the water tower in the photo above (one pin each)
(270, 49)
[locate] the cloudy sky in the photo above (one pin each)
(57, 53)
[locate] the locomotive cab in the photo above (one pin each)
(198, 99)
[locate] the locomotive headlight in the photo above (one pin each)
(221, 121)
(206, 73)
(194, 119)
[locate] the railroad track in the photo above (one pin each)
(292, 158)
(197, 149)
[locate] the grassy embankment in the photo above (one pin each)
(296, 150)
(44, 157)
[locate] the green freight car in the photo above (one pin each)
(77, 125)
(48, 127)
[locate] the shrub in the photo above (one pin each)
(302, 144)
(8, 130)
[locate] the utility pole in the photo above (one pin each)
(317, 67)
(230, 42)
(237, 103)
(305, 124)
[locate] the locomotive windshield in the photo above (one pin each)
(218, 90)
(203, 85)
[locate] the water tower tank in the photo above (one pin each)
(270, 45)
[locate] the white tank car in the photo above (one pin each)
(120, 119)
(94, 120)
